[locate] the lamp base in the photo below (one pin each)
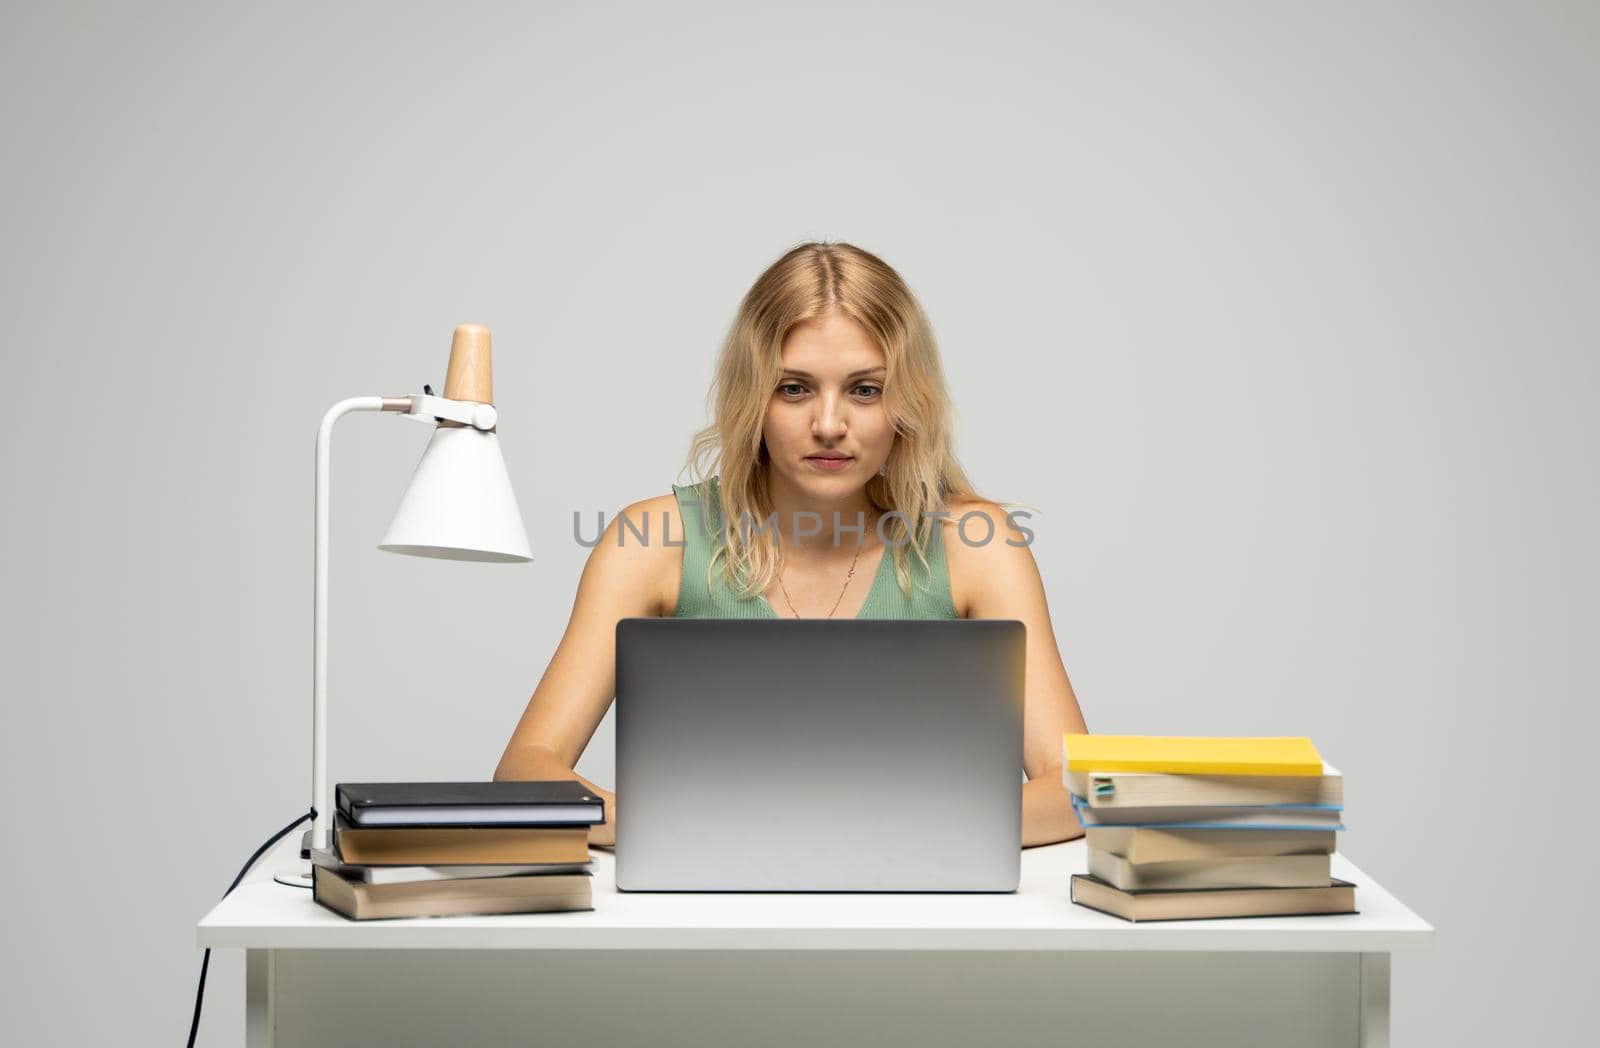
(297, 876)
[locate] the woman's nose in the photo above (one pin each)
(829, 420)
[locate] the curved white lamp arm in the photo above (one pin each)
(423, 408)
(319, 614)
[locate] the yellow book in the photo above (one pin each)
(1192, 755)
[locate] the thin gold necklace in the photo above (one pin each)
(846, 586)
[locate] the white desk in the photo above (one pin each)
(827, 969)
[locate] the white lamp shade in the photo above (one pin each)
(459, 505)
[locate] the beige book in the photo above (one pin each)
(1127, 789)
(459, 845)
(1148, 904)
(1256, 871)
(526, 893)
(1141, 844)
(1215, 817)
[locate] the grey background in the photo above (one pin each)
(1283, 314)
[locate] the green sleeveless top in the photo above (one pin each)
(930, 593)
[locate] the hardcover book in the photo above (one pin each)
(459, 845)
(479, 895)
(1133, 789)
(1220, 816)
(558, 802)
(1251, 871)
(1191, 755)
(1148, 844)
(1160, 904)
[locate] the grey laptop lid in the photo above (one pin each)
(819, 754)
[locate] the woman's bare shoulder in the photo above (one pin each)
(983, 548)
(971, 519)
(652, 530)
(649, 513)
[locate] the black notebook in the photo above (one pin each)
(558, 802)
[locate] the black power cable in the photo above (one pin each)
(205, 962)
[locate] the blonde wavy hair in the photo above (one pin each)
(922, 474)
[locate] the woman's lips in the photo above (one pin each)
(831, 465)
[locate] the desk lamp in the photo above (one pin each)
(458, 506)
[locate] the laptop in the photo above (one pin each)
(848, 755)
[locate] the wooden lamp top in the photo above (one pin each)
(470, 375)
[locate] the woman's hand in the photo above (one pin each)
(538, 762)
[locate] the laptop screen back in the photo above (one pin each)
(819, 754)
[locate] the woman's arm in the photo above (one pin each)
(998, 580)
(578, 685)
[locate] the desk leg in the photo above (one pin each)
(259, 998)
(1374, 1000)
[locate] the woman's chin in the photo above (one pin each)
(829, 482)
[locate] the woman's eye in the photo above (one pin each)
(794, 389)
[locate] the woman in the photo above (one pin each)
(835, 494)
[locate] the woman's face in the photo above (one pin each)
(829, 402)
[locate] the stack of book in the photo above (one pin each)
(432, 849)
(1182, 828)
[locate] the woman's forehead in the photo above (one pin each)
(833, 346)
